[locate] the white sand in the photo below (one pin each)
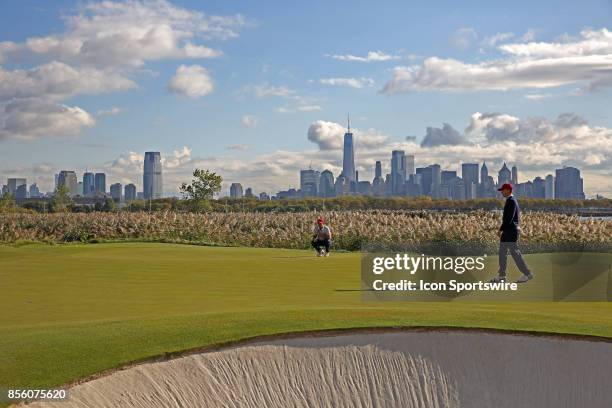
(402, 369)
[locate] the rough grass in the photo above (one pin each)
(69, 311)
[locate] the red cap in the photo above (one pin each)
(505, 186)
(320, 220)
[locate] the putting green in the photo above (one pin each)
(73, 310)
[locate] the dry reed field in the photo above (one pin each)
(541, 232)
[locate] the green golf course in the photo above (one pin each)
(69, 311)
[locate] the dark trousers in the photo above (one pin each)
(318, 243)
(512, 247)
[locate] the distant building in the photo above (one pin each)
(115, 192)
(504, 175)
(80, 189)
(469, 174)
(341, 186)
(264, 196)
(364, 188)
(326, 184)
(248, 193)
(89, 186)
(34, 191)
(348, 156)
(236, 191)
(549, 187)
(100, 184)
(129, 192)
(68, 179)
(436, 180)
(568, 184)
(409, 165)
(17, 187)
(152, 176)
(309, 182)
(539, 187)
(398, 172)
(514, 176)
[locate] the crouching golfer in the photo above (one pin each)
(321, 238)
(509, 234)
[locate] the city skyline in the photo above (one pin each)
(526, 83)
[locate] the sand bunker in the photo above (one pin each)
(401, 369)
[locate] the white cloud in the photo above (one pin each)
(372, 56)
(539, 96)
(463, 38)
(330, 136)
(33, 118)
(493, 40)
(193, 81)
(350, 82)
(146, 30)
(586, 61)
(249, 121)
(299, 108)
(113, 111)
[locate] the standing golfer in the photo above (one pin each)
(509, 234)
(321, 238)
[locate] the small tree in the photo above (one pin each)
(204, 185)
(61, 199)
(7, 203)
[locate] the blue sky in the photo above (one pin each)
(277, 97)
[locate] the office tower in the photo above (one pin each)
(80, 188)
(236, 190)
(514, 175)
(248, 193)
(378, 184)
(326, 184)
(398, 172)
(264, 196)
(115, 192)
(448, 176)
(100, 184)
(34, 191)
(504, 175)
(364, 188)
(348, 158)
(539, 187)
(152, 176)
(568, 184)
(436, 180)
(89, 187)
(484, 172)
(129, 192)
(409, 165)
(424, 177)
(309, 182)
(17, 188)
(549, 187)
(68, 179)
(469, 174)
(4, 190)
(341, 186)
(14, 183)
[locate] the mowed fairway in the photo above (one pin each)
(69, 311)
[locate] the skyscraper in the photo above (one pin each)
(348, 158)
(469, 174)
(68, 179)
(115, 191)
(549, 187)
(152, 176)
(89, 187)
(129, 192)
(568, 184)
(514, 175)
(378, 184)
(34, 191)
(436, 180)
(14, 184)
(309, 182)
(409, 165)
(504, 175)
(236, 190)
(100, 183)
(326, 184)
(398, 172)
